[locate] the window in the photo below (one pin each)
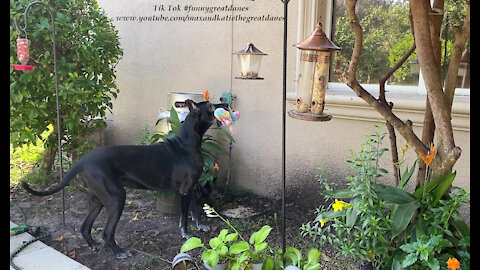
(387, 36)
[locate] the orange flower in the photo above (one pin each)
(428, 159)
(453, 264)
(206, 95)
(217, 167)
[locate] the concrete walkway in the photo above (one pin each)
(39, 256)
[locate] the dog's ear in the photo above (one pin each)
(192, 106)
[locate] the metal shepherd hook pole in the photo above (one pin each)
(59, 130)
(284, 113)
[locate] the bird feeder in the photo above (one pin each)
(23, 55)
(313, 76)
(250, 59)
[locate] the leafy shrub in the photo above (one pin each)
(87, 51)
(389, 226)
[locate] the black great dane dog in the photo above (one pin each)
(174, 164)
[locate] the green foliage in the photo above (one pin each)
(389, 226)
(24, 161)
(227, 247)
(397, 51)
(87, 50)
(294, 257)
(383, 25)
(210, 146)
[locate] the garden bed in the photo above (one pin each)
(154, 239)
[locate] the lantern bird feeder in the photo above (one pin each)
(250, 59)
(313, 76)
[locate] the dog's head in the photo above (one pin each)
(204, 110)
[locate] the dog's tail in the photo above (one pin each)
(66, 179)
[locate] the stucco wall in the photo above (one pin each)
(193, 56)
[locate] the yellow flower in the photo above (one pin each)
(405, 148)
(129, 202)
(453, 264)
(339, 205)
(135, 218)
(428, 159)
(323, 221)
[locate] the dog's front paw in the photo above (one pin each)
(123, 254)
(96, 247)
(185, 235)
(203, 227)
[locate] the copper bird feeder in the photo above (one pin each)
(313, 76)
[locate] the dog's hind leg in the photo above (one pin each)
(94, 208)
(114, 203)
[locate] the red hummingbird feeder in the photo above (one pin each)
(23, 54)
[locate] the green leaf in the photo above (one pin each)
(293, 256)
(461, 227)
(210, 257)
(397, 260)
(213, 147)
(407, 175)
(268, 264)
(173, 120)
(231, 237)
(191, 243)
(403, 216)
(351, 216)
(222, 235)
(433, 264)
(409, 260)
(338, 194)
(261, 235)
(215, 242)
(313, 255)
(443, 187)
(239, 247)
(261, 246)
(428, 187)
(329, 215)
(393, 194)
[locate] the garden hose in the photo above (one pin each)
(21, 229)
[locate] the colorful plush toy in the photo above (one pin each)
(226, 118)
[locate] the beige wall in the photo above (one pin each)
(161, 57)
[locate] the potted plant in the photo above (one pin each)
(294, 260)
(217, 255)
(231, 249)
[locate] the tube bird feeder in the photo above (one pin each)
(313, 77)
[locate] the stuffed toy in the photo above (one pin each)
(226, 118)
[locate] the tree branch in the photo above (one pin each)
(405, 129)
(461, 36)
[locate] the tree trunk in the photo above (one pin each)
(49, 153)
(447, 153)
